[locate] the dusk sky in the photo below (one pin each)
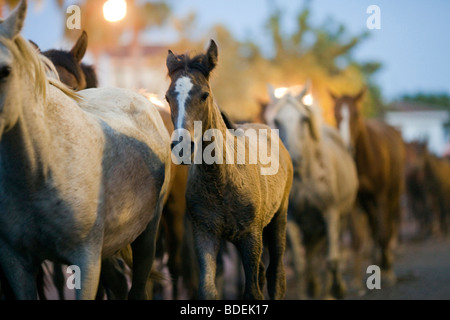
(413, 43)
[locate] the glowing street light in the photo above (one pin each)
(115, 10)
(308, 99)
(280, 92)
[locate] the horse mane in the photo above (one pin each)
(184, 62)
(315, 119)
(228, 123)
(36, 66)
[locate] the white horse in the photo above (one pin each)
(81, 176)
(325, 182)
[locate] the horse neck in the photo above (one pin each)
(363, 149)
(310, 158)
(24, 147)
(214, 120)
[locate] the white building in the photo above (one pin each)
(144, 69)
(417, 121)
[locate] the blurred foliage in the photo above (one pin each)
(319, 52)
(434, 100)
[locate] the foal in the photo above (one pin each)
(234, 202)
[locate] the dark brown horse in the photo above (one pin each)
(379, 155)
(236, 202)
(427, 189)
(71, 70)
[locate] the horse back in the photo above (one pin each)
(341, 169)
(386, 166)
(135, 164)
(275, 187)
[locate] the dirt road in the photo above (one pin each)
(423, 271)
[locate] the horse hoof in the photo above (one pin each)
(339, 290)
(313, 289)
(388, 278)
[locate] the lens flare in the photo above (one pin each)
(308, 99)
(115, 10)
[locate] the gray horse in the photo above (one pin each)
(325, 182)
(81, 176)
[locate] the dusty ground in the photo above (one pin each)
(423, 271)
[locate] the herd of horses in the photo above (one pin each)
(87, 179)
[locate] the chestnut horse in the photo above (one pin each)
(379, 153)
(428, 189)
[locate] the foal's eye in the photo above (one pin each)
(204, 96)
(5, 71)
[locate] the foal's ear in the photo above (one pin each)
(13, 24)
(304, 90)
(79, 49)
(211, 56)
(171, 59)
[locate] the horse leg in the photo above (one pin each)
(357, 228)
(311, 252)
(88, 259)
(19, 272)
(143, 250)
(113, 280)
(389, 212)
(275, 233)
(338, 288)
(58, 280)
(40, 283)
(6, 291)
(174, 230)
(369, 205)
(295, 241)
(207, 247)
(250, 249)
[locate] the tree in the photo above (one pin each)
(321, 53)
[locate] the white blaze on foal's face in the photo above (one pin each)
(344, 126)
(182, 87)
